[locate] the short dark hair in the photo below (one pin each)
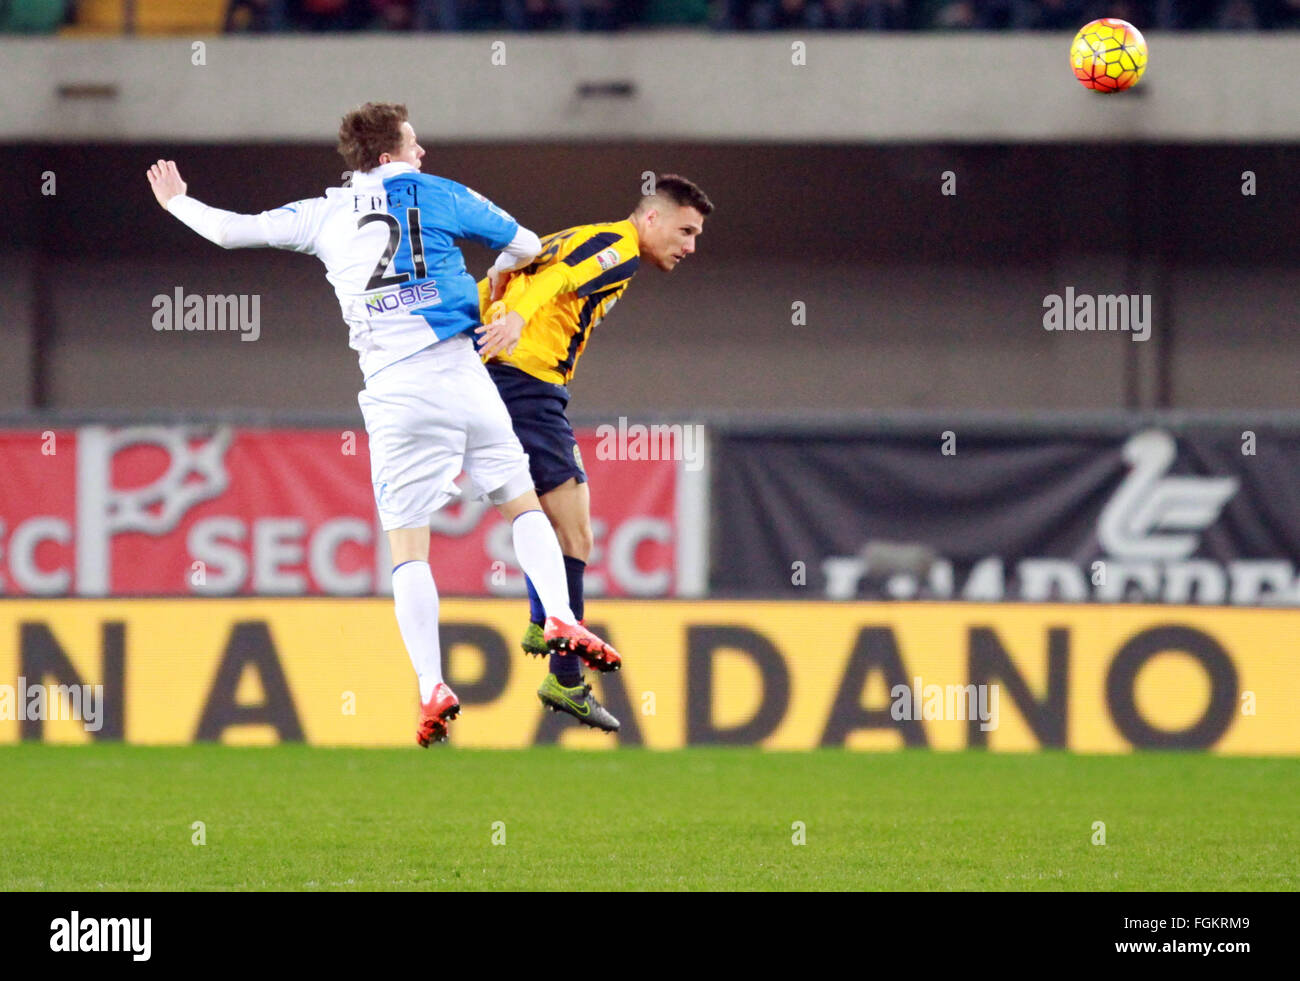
(371, 130)
(681, 192)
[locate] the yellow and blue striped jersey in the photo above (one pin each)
(564, 293)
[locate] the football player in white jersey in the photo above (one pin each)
(430, 408)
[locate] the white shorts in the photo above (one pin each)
(430, 416)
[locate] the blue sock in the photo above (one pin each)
(536, 612)
(567, 668)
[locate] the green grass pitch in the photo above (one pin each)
(114, 817)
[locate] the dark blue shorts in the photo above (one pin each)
(537, 412)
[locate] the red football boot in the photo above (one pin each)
(441, 708)
(574, 638)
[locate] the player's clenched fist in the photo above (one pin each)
(166, 181)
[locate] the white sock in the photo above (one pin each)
(540, 557)
(416, 599)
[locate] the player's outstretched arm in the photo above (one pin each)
(290, 227)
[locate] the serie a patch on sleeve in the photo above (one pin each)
(607, 259)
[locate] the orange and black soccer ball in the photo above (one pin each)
(1108, 55)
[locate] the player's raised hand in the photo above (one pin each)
(166, 181)
(501, 333)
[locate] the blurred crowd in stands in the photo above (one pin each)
(881, 15)
(116, 16)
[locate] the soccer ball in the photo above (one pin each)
(1108, 55)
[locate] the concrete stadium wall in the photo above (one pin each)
(913, 299)
(946, 339)
(683, 85)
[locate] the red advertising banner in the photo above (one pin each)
(170, 510)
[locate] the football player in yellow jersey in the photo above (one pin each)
(537, 320)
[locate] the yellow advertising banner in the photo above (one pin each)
(783, 675)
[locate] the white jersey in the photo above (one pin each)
(388, 245)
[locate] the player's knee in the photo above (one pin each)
(516, 506)
(516, 494)
(408, 545)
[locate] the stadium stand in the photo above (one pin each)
(31, 16)
(91, 18)
(169, 17)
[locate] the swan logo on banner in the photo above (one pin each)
(1153, 517)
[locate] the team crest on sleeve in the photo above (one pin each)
(607, 259)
